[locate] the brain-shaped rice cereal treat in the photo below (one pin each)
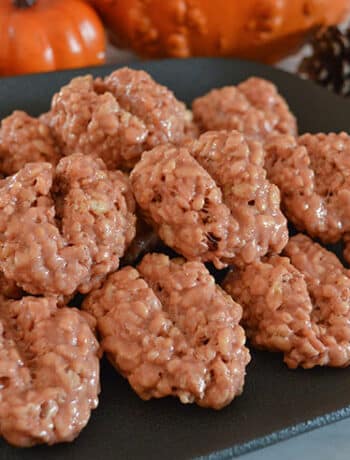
(64, 229)
(236, 165)
(170, 330)
(49, 371)
(24, 139)
(183, 203)
(313, 174)
(84, 121)
(276, 309)
(299, 306)
(254, 108)
(118, 118)
(165, 117)
(328, 283)
(210, 200)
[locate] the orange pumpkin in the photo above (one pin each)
(44, 35)
(259, 29)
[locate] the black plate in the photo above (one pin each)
(277, 403)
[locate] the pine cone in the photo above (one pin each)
(329, 64)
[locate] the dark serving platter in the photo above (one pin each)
(277, 403)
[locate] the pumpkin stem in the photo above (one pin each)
(23, 3)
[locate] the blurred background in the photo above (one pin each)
(47, 35)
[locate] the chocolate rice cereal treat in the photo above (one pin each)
(254, 108)
(226, 212)
(165, 117)
(64, 229)
(84, 121)
(184, 205)
(276, 309)
(300, 306)
(49, 372)
(170, 330)
(313, 174)
(328, 283)
(236, 165)
(24, 139)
